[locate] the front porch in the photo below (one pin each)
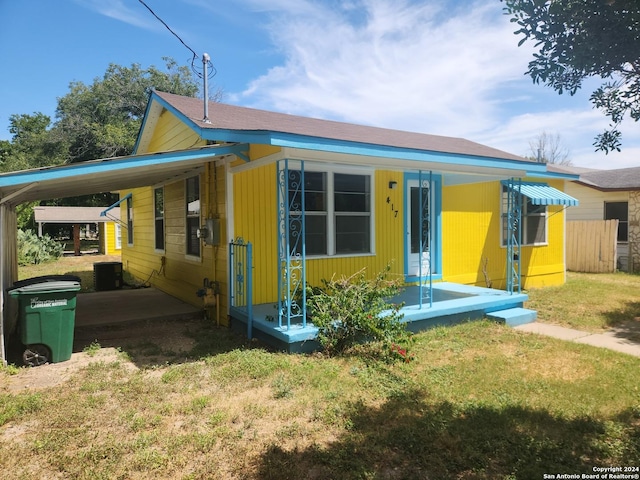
(452, 303)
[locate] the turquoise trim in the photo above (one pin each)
(543, 194)
(144, 121)
(114, 164)
(383, 151)
(306, 142)
(436, 259)
(111, 207)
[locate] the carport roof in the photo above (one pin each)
(60, 214)
(109, 174)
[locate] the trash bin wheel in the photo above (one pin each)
(36, 355)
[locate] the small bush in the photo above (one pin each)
(33, 249)
(353, 310)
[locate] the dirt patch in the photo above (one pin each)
(54, 374)
(137, 345)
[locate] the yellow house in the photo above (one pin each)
(266, 202)
(108, 227)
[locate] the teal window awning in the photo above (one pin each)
(542, 194)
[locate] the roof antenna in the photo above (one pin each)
(205, 76)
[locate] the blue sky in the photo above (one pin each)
(442, 67)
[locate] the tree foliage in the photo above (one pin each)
(579, 39)
(99, 120)
(102, 120)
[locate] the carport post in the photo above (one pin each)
(2, 287)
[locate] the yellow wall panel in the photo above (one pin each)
(255, 220)
(171, 134)
(108, 238)
(182, 276)
(471, 224)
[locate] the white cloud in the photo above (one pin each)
(444, 68)
(120, 10)
(392, 63)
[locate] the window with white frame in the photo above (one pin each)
(158, 209)
(192, 210)
(129, 221)
(118, 234)
(338, 211)
(534, 221)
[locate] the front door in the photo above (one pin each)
(418, 228)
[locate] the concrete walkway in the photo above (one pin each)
(624, 338)
(130, 305)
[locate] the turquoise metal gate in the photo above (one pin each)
(241, 282)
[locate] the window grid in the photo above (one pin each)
(534, 221)
(192, 211)
(158, 207)
(338, 220)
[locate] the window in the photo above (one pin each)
(129, 221)
(315, 206)
(618, 211)
(534, 221)
(337, 211)
(158, 208)
(118, 236)
(192, 208)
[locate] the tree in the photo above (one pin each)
(32, 144)
(94, 121)
(579, 39)
(103, 119)
(548, 148)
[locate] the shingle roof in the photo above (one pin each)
(619, 179)
(230, 117)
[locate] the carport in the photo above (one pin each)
(103, 175)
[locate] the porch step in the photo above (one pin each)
(514, 316)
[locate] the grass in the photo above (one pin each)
(480, 401)
(589, 302)
(81, 266)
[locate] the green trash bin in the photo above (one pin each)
(46, 317)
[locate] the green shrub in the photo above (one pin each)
(33, 249)
(354, 310)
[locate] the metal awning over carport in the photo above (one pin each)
(95, 176)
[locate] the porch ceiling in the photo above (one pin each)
(105, 175)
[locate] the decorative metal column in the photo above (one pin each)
(514, 234)
(291, 248)
(425, 270)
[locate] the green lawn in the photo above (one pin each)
(480, 401)
(590, 302)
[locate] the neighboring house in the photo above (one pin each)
(610, 195)
(350, 194)
(107, 228)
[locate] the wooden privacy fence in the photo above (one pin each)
(591, 245)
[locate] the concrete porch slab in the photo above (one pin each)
(130, 305)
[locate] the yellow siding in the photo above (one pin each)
(108, 238)
(171, 134)
(471, 229)
(471, 225)
(182, 276)
(255, 220)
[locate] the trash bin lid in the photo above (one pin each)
(45, 283)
